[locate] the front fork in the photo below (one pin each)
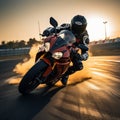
(57, 71)
(54, 70)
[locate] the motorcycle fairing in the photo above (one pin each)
(57, 44)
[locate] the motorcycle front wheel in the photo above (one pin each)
(29, 82)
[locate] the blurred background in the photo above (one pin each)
(22, 20)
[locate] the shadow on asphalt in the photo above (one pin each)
(78, 82)
(29, 106)
(20, 107)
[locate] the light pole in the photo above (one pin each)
(105, 22)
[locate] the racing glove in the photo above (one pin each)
(84, 56)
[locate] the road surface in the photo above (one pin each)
(91, 94)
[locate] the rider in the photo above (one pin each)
(78, 27)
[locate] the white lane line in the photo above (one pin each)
(112, 60)
(106, 76)
(92, 86)
(96, 69)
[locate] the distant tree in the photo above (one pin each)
(31, 41)
(3, 42)
(10, 44)
(18, 44)
(21, 43)
(3, 45)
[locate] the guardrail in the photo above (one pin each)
(14, 52)
(105, 49)
(116, 40)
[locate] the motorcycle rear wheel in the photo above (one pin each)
(29, 82)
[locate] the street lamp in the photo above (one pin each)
(105, 22)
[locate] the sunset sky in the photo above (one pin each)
(19, 18)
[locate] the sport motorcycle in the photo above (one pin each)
(51, 66)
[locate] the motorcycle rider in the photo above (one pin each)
(78, 27)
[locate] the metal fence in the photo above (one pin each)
(14, 52)
(105, 49)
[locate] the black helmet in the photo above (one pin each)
(78, 24)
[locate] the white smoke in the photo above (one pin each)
(23, 67)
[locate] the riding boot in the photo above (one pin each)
(66, 75)
(70, 71)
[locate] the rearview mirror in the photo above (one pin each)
(53, 22)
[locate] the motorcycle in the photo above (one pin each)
(55, 61)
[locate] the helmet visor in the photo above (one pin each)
(78, 29)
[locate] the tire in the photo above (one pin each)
(50, 84)
(28, 82)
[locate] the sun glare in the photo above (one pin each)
(96, 28)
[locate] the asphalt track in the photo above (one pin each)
(91, 94)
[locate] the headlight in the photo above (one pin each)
(57, 55)
(47, 46)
